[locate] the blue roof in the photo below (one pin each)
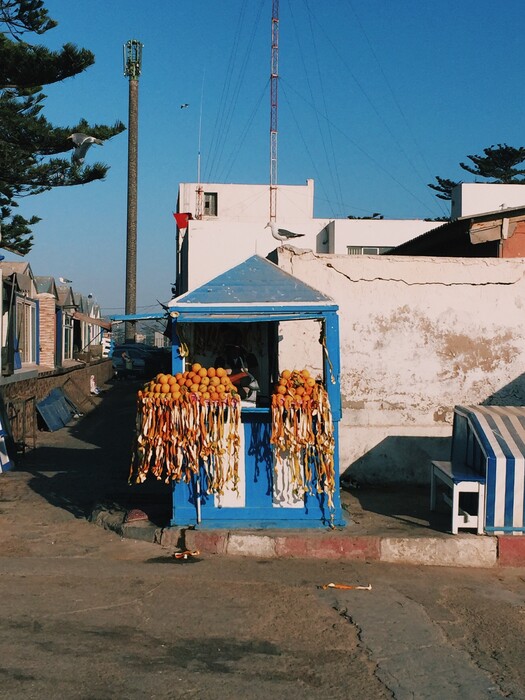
(255, 281)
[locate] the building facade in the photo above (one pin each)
(227, 224)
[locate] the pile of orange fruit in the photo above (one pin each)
(200, 383)
(295, 388)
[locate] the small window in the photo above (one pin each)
(366, 250)
(68, 337)
(26, 330)
(210, 204)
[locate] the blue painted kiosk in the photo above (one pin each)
(251, 302)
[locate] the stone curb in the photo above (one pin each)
(463, 550)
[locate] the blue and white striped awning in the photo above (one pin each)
(500, 433)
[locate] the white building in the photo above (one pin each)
(470, 198)
(228, 226)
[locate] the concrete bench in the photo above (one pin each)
(459, 480)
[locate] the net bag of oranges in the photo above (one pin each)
(303, 434)
(185, 421)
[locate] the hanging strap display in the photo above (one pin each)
(186, 422)
(303, 434)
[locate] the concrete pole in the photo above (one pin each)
(131, 239)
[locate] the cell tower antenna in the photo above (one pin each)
(274, 79)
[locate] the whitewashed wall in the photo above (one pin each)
(418, 336)
(470, 198)
(214, 244)
(386, 233)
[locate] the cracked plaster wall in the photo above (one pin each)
(418, 336)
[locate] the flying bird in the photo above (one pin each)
(65, 281)
(82, 143)
(281, 234)
(184, 105)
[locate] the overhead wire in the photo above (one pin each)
(396, 102)
(219, 117)
(362, 150)
(233, 102)
(237, 147)
(231, 99)
(242, 73)
(374, 108)
(315, 168)
(307, 77)
(334, 171)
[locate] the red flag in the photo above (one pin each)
(182, 219)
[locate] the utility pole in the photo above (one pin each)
(132, 66)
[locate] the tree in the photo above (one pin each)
(444, 187)
(376, 215)
(29, 144)
(498, 163)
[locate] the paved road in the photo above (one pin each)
(87, 615)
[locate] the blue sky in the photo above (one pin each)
(376, 98)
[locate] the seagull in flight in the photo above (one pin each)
(82, 142)
(63, 280)
(281, 234)
(186, 104)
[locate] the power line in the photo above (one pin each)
(362, 150)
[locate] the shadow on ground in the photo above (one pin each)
(87, 463)
(396, 511)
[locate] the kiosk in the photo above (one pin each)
(250, 303)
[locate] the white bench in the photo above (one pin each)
(459, 480)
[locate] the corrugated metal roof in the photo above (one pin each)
(439, 236)
(65, 296)
(255, 281)
(435, 239)
(46, 285)
(18, 267)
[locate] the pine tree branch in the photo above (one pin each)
(29, 143)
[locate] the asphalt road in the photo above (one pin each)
(91, 616)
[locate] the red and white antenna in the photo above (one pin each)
(274, 77)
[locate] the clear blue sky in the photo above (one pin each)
(375, 99)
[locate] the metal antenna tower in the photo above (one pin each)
(274, 78)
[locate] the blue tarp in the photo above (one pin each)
(56, 409)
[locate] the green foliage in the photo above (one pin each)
(29, 144)
(499, 164)
(444, 187)
(19, 16)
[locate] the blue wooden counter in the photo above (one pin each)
(262, 500)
